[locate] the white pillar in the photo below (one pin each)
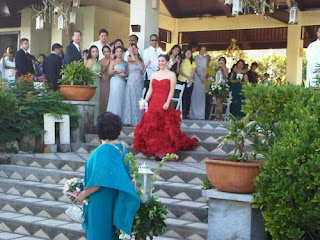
(142, 13)
(49, 127)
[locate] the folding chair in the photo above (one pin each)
(180, 88)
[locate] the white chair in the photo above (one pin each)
(227, 102)
(180, 88)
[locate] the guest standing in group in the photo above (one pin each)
(9, 67)
(237, 79)
(73, 52)
(313, 61)
(159, 131)
(198, 97)
(133, 39)
(95, 67)
(115, 44)
(252, 74)
(113, 200)
(52, 66)
(175, 59)
(222, 70)
(105, 80)
(39, 68)
(103, 37)
(23, 59)
(85, 54)
(151, 54)
(210, 76)
(136, 68)
(118, 73)
(5, 58)
(186, 76)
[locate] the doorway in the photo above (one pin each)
(8, 39)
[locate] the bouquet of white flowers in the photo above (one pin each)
(73, 187)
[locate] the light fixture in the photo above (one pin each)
(57, 11)
(73, 17)
(40, 22)
(294, 15)
(237, 7)
(154, 4)
(61, 22)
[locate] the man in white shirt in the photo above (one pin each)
(133, 39)
(151, 55)
(313, 61)
(103, 36)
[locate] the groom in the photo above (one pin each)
(313, 61)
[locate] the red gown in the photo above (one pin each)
(159, 131)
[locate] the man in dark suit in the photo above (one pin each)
(23, 59)
(52, 66)
(73, 52)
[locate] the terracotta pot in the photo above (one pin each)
(77, 93)
(234, 177)
(219, 108)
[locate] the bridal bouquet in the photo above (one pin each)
(73, 187)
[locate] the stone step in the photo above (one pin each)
(186, 156)
(171, 171)
(205, 136)
(4, 235)
(42, 227)
(48, 228)
(178, 209)
(185, 191)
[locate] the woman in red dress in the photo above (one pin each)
(159, 131)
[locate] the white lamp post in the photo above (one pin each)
(146, 180)
(294, 15)
(237, 7)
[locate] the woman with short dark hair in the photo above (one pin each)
(113, 201)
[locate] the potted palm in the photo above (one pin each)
(77, 82)
(236, 174)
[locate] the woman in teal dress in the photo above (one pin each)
(113, 201)
(93, 64)
(238, 78)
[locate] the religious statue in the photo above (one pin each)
(313, 61)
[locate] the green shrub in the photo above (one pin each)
(288, 188)
(75, 73)
(22, 108)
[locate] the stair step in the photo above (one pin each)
(179, 209)
(42, 227)
(171, 171)
(14, 236)
(186, 156)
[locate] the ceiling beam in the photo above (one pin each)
(226, 8)
(281, 15)
(301, 5)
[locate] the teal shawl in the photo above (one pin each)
(106, 168)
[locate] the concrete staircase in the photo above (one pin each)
(32, 205)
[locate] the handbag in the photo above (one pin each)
(75, 213)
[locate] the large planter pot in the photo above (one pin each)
(77, 93)
(234, 177)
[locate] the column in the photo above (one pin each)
(294, 54)
(60, 36)
(142, 13)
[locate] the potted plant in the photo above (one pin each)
(77, 82)
(236, 174)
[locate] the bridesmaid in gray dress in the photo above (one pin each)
(118, 71)
(136, 68)
(198, 98)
